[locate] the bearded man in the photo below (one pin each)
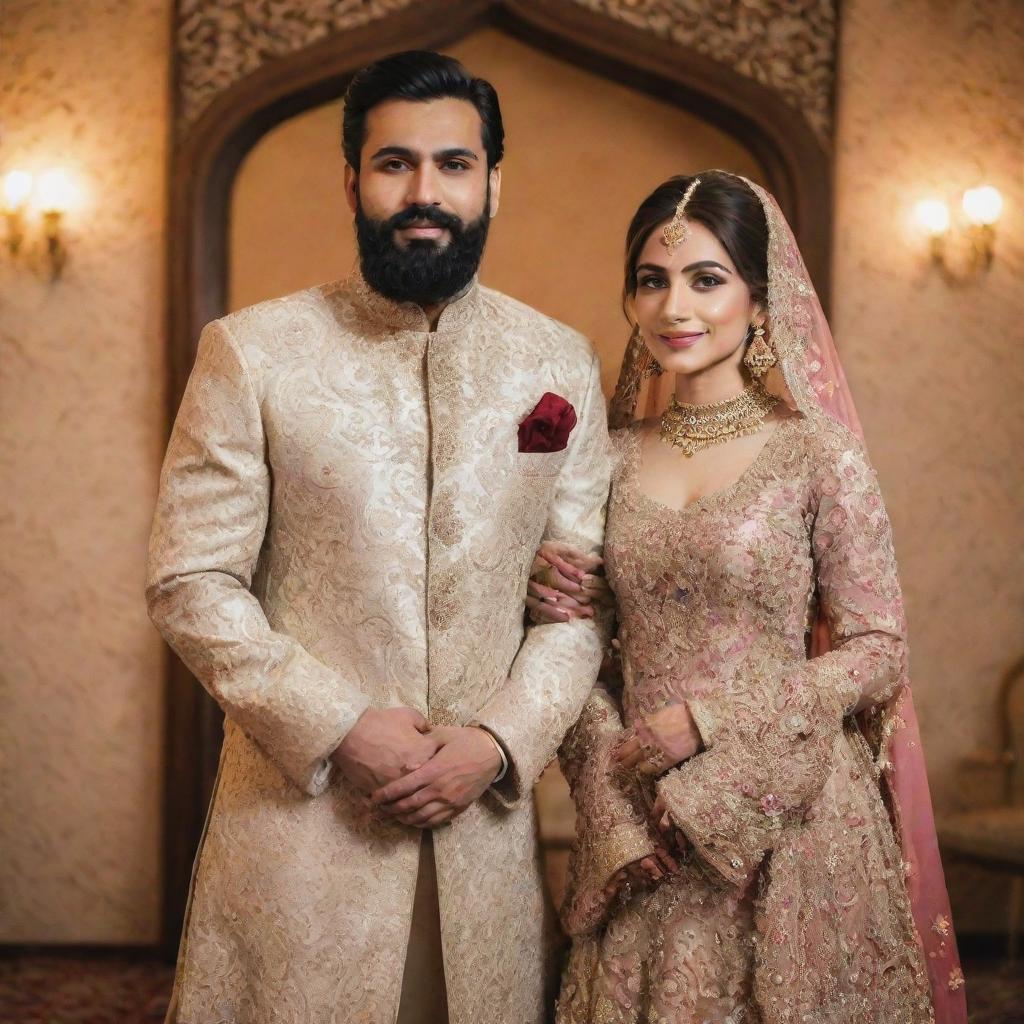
(357, 480)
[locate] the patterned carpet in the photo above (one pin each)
(995, 993)
(101, 990)
(106, 990)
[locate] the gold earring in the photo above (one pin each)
(759, 357)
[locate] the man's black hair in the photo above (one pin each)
(419, 75)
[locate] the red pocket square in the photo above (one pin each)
(548, 427)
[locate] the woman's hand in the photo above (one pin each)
(644, 873)
(659, 741)
(662, 821)
(565, 584)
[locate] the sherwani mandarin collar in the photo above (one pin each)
(407, 316)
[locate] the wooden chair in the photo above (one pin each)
(994, 837)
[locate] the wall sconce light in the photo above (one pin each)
(55, 196)
(982, 208)
(17, 189)
(52, 194)
(933, 216)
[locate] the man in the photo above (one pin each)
(356, 484)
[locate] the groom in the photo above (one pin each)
(356, 483)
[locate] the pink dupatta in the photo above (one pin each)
(809, 375)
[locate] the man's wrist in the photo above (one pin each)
(503, 770)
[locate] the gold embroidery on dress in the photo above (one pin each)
(712, 602)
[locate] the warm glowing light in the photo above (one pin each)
(933, 216)
(17, 188)
(56, 191)
(983, 205)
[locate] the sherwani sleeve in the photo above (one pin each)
(211, 515)
(770, 743)
(557, 664)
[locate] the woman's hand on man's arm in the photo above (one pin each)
(565, 583)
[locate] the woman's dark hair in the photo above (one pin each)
(726, 206)
(419, 75)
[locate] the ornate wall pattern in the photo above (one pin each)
(929, 103)
(787, 45)
(219, 42)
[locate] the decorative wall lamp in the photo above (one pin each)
(983, 206)
(52, 195)
(55, 197)
(17, 189)
(975, 231)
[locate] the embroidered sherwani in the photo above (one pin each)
(345, 521)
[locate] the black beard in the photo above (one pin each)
(422, 272)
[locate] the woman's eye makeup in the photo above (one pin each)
(705, 282)
(702, 282)
(651, 281)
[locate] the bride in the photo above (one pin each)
(755, 841)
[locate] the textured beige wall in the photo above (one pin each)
(582, 152)
(81, 379)
(931, 103)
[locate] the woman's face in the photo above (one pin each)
(693, 308)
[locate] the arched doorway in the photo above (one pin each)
(795, 167)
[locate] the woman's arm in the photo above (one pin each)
(770, 744)
(613, 840)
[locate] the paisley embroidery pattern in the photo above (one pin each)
(343, 521)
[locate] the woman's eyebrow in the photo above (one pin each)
(702, 264)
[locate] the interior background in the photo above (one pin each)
(928, 101)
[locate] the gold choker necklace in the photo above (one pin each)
(696, 427)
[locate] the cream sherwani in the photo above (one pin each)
(345, 521)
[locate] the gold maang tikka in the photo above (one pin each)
(677, 230)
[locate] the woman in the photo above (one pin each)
(736, 860)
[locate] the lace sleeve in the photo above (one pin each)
(770, 742)
(611, 823)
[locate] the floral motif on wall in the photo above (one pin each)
(787, 45)
(219, 42)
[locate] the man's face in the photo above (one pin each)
(423, 198)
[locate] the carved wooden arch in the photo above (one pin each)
(206, 159)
